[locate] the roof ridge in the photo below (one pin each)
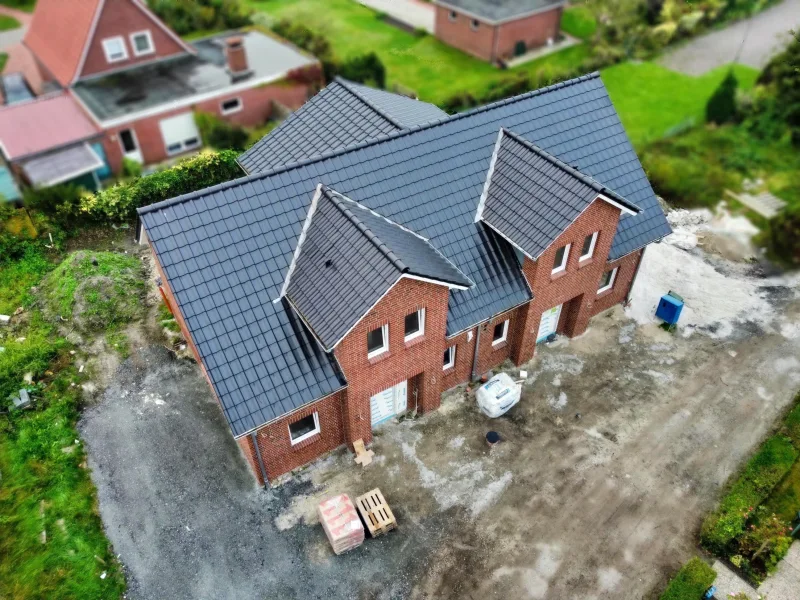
(369, 143)
(569, 169)
(364, 228)
(346, 85)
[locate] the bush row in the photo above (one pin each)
(691, 582)
(190, 16)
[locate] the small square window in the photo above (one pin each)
(453, 16)
(415, 324)
(449, 358)
(474, 24)
(142, 43)
(231, 106)
(607, 281)
(560, 261)
(114, 49)
(304, 428)
(500, 333)
(378, 341)
(588, 246)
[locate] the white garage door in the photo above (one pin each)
(180, 133)
(549, 322)
(389, 403)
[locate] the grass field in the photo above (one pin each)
(26, 5)
(579, 21)
(434, 70)
(652, 100)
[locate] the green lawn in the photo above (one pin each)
(652, 100)
(579, 21)
(7, 23)
(434, 70)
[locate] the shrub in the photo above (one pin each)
(783, 235)
(783, 75)
(220, 134)
(60, 201)
(691, 582)
(119, 203)
(131, 168)
(188, 16)
(762, 473)
(721, 107)
(366, 68)
(579, 21)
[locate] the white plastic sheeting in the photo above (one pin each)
(498, 395)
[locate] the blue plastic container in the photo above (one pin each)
(669, 308)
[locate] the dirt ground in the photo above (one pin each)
(619, 446)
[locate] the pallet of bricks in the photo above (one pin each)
(341, 523)
(376, 513)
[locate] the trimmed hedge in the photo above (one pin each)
(119, 203)
(691, 582)
(761, 474)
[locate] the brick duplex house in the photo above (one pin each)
(106, 79)
(497, 30)
(380, 252)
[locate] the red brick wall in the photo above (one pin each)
(533, 30)
(579, 281)
(121, 18)
(460, 35)
(627, 266)
(277, 451)
(404, 360)
(256, 108)
(465, 352)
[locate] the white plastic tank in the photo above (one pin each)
(498, 395)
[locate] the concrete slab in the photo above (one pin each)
(784, 584)
(415, 13)
(728, 583)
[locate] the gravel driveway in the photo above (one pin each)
(767, 34)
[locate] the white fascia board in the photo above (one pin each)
(487, 183)
(616, 204)
(452, 286)
(88, 41)
(148, 13)
(306, 225)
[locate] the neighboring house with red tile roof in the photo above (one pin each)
(113, 68)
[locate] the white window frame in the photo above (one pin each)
(503, 337)
(610, 281)
(305, 436)
(231, 111)
(453, 16)
(474, 24)
(385, 348)
(564, 261)
(121, 40)
(419, 332)
(452, 362)
(149, 36)
(590, 254)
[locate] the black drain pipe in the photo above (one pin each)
(260, 461)
(477, 349)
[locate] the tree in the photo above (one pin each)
(721, 107)
(365, 68)
(783, 74)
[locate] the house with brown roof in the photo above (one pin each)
(108, 80)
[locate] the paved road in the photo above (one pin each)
(766, 33)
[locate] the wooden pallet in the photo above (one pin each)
(376, 513)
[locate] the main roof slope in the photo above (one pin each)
(341, 115)
(497, 11)
(226, 250)
(348, 258)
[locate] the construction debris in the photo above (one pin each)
(23, 400)
(4, 319)
(341, 523)
(363, 456)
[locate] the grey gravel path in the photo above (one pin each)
(767, 34)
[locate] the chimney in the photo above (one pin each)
(237, 57)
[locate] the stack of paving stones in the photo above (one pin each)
(341, 523)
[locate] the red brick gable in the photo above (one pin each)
(123, 18)
(66, 35)
(58, 34)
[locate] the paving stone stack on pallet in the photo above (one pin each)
(341, 523)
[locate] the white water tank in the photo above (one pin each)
(498, 395)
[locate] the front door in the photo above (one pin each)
(130, 145)
(388, 403)
(549, 323)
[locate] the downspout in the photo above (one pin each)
(494, 44)
(635, 274)
(477, 348)
(260, 461)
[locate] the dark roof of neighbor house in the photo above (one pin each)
(531, 197)
(178, 78)
(348, 257)
(341, 115)
(226, 250)
(500, 10)
(43, 124)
